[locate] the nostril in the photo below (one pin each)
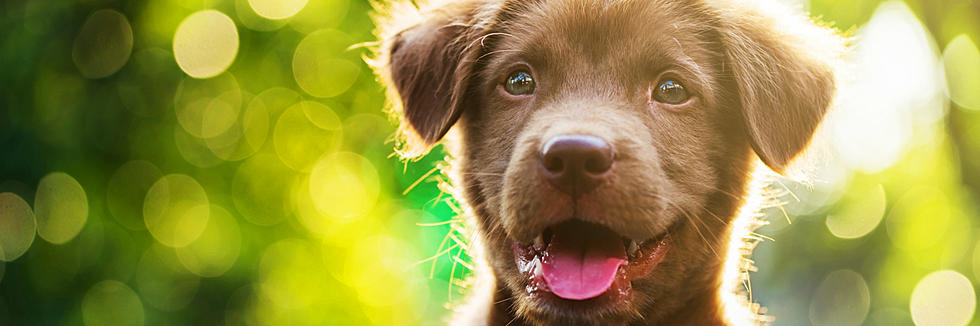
(553, 163)
(599, 164)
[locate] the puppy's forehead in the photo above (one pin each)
(597, 31)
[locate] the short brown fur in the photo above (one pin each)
(761, 83)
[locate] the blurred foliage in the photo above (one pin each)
(266, 192)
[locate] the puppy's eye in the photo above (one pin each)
(519, 83)
(670, 91)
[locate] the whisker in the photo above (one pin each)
(436, 256)
(416, 183)
(452, 275)
(449, 221)
(482, 173)
(694, 223)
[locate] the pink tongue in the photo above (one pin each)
(582, 260)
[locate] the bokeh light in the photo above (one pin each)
(214, 252)
(176, 210)
(881, 105)
(17, 224)
(289, 273)
(860, 214)
(962, 62)
(231, 162)
(61, 208)
(319, 14)
(194, 150)
(248, 18)
(943, 298)
(103, 44)
(205, 43)
(277, 9)
(245, 136)
(344, 185)
(377, 274)
(919, 219)
(305, 132)
(321, 65)
(207, 108)
(112, 303)
(841, 299)
(260, 190)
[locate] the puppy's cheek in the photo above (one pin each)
(684, 268)
(638, 196)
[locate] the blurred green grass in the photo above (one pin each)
(267, 193)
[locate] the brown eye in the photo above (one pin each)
(519, 83)
(670, 91)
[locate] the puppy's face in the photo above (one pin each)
(606, 143)
(597, 139)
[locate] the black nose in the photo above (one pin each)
(576, 164)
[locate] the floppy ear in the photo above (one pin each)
(428, 65)
(784, 68)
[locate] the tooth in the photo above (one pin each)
(633, 248)
(537, 267)
(539, 242)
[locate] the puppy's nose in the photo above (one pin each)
(576, 164)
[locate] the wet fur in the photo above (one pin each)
(762, 81)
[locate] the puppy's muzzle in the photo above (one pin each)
(576, 164)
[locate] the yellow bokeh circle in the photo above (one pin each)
(208, 108)
(245, 136)
(383, 271)
(103, 44)
(962, 60)
(344, 185)
(277, 99)
(277, 9)
(320, 14)
(291, 274)
(919, 219)
(859, 216)
(194, 150)
(205, 43)
(322, 66)
(17, 225)
(305, 132)
(842, 299)
(260, 190)
(216, 250)
(112, 303)
(248, 18)
(61, 208)
(943, 298)
(172, 210)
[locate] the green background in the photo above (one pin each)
(270, 194)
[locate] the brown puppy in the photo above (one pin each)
(604, 147)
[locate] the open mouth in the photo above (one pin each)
(578, 261)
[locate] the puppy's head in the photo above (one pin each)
(606, 143)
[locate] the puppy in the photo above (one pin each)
(604, 147)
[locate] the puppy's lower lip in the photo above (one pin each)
(648, 256)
